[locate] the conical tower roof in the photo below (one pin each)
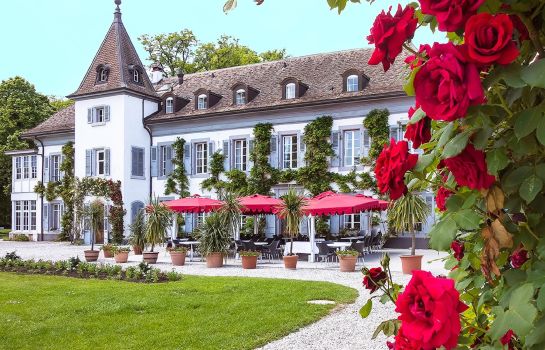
(118, 57)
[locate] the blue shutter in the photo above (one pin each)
(301, 152)
(250, 150)
(153, 160)
(88, 162)
(303, 226)
(90, 115)
(93, 162)
(274, 151)
(45, 216)
(107, 162)
(46, 169)
(134, 161)
(168, 151)
(187, 159)
(226, 151)
(366, 142)
(106, 113)
(334, 222)
(188, 222)
(335, 141)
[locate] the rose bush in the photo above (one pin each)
(392, 164)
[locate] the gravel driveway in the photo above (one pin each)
(342, 329)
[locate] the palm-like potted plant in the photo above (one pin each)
(108, 250)
(404, 214)
(214, 239)
(347, 259)
(95, 215)
(138, 233)
(159, 219)
(291, 210)
(121, 254)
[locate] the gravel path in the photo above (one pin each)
(342, 329)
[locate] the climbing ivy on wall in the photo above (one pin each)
(262, 175)
(177, 181)
(216, 168)
(376, 123)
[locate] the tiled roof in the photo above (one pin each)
(322, 73)
(60, 122)
(117, 53)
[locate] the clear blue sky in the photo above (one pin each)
(51, 43)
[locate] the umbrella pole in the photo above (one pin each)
(255, 225)
(312, 236)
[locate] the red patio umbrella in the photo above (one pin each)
(194, 204)
(331, 203)
(259, 204)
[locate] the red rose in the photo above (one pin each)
(458, 248)
(404, 343)
(518, 258)
(413, 61)
(388, 33)
(469, 169)
(520, 27)
(441, 198)
(451, 14)
(392, 164)
(374, 278)
(430, 308)
(506, 339)
(489, 39)
(419, 132)
(446, 85)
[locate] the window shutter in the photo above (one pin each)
(366, 142)
(273, 157)
(303, 225)
(335, 141)
(189, 223)
(90, 115)
(134, 161)
(334, 223)
(153, 160)
(250, 150)
(93, 162)
(301, 151)
(106, 113)
(134, 211)
(226, 162)
(52, 225)
(46, 169)
(45, 216)
(187, 159)
(88, 162)
(107, 222)
(168, 150)
(107, 162)
(141, 161)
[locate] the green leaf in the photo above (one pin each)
(511, 75)
(530, 187)
(537, 335)
(496, 160)
(519, 316)
(480, 138)
(540, 132)
(409, 85)
(446, 134)
(443, 233)
(526, 122)
(417, 116)
(456, 145)
(515, 178)
(541, 298)
(423, 162)
(534, 74)
(467, 219)
(366, 309)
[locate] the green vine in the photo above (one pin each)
(177, 181)
(216, 168)
(262, 175)
(376, 123)
(237, 182)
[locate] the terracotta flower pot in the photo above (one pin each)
(249, 262)
(137, 250)
(290, 262)
(178, 258)
(150, 257)
(91, 255)
(121, 257)
(410, 263)
(347, 263)
(108, 254)
(214, 260)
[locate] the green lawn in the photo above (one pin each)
(4, 233)
(49, 312)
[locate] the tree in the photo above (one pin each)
(273, 55)
(59, 103)
(21, 108)
(225, 52)
(406, 212)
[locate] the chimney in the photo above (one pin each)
(156, 73)
(180, 75)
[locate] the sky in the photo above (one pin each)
(51, 43)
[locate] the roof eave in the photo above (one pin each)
(31, 135)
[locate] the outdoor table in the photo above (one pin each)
(353, 238)
(261, 243)
(341, 245)
(190, 244)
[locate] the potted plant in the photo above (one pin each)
(291, 210)
(159, 219)
(121, 254)
(137, 237)
(214, 239)
(177, 255)
(95, 214)
(347, 259)
(249, 259)
(108, 250)
(404, 214)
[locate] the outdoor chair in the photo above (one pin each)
(324, 252)
(272, 250)
(360, 248)
(367, 241)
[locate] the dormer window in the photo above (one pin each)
(202, 101)
(136, 73)
(103, 70)
(240, 97)
(136, 76)
(352, 83)
(290, 91)
(169, 105)
(103, 75)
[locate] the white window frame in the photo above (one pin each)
(136, 76)
(352, 221)
(56, 215)
(290, 91)
(100, 162)
(240, 154)
(169, 105)
(103, 75)
(26, 167)
(18, 215)
(34, 167)
(100, 115)
(351, 147)
(139, 164)
(25, 216)
(32, 215)
(200, 217)
(202, 101)
(55, 167)
(163, 160)
(352, 83)
(18, 168)
(290, 150)
(201, 157)
(240, 97)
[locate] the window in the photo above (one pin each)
(202, 102)
(352, 83)
(34, 165)
(352, 221)
(352, 147)
(55, 168)
(290, 90)
(136, 76)
(103, 75)
(137, 162)
(165, 160)
(201, 158)
(99, 115)
(136, 208)
(25, 216)
(240, 154)
(240, 97)
(26, 167)
(169, 107)
(101, 162)
(289, 152)
(200, 218)
(18, 168)
(56, 213)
